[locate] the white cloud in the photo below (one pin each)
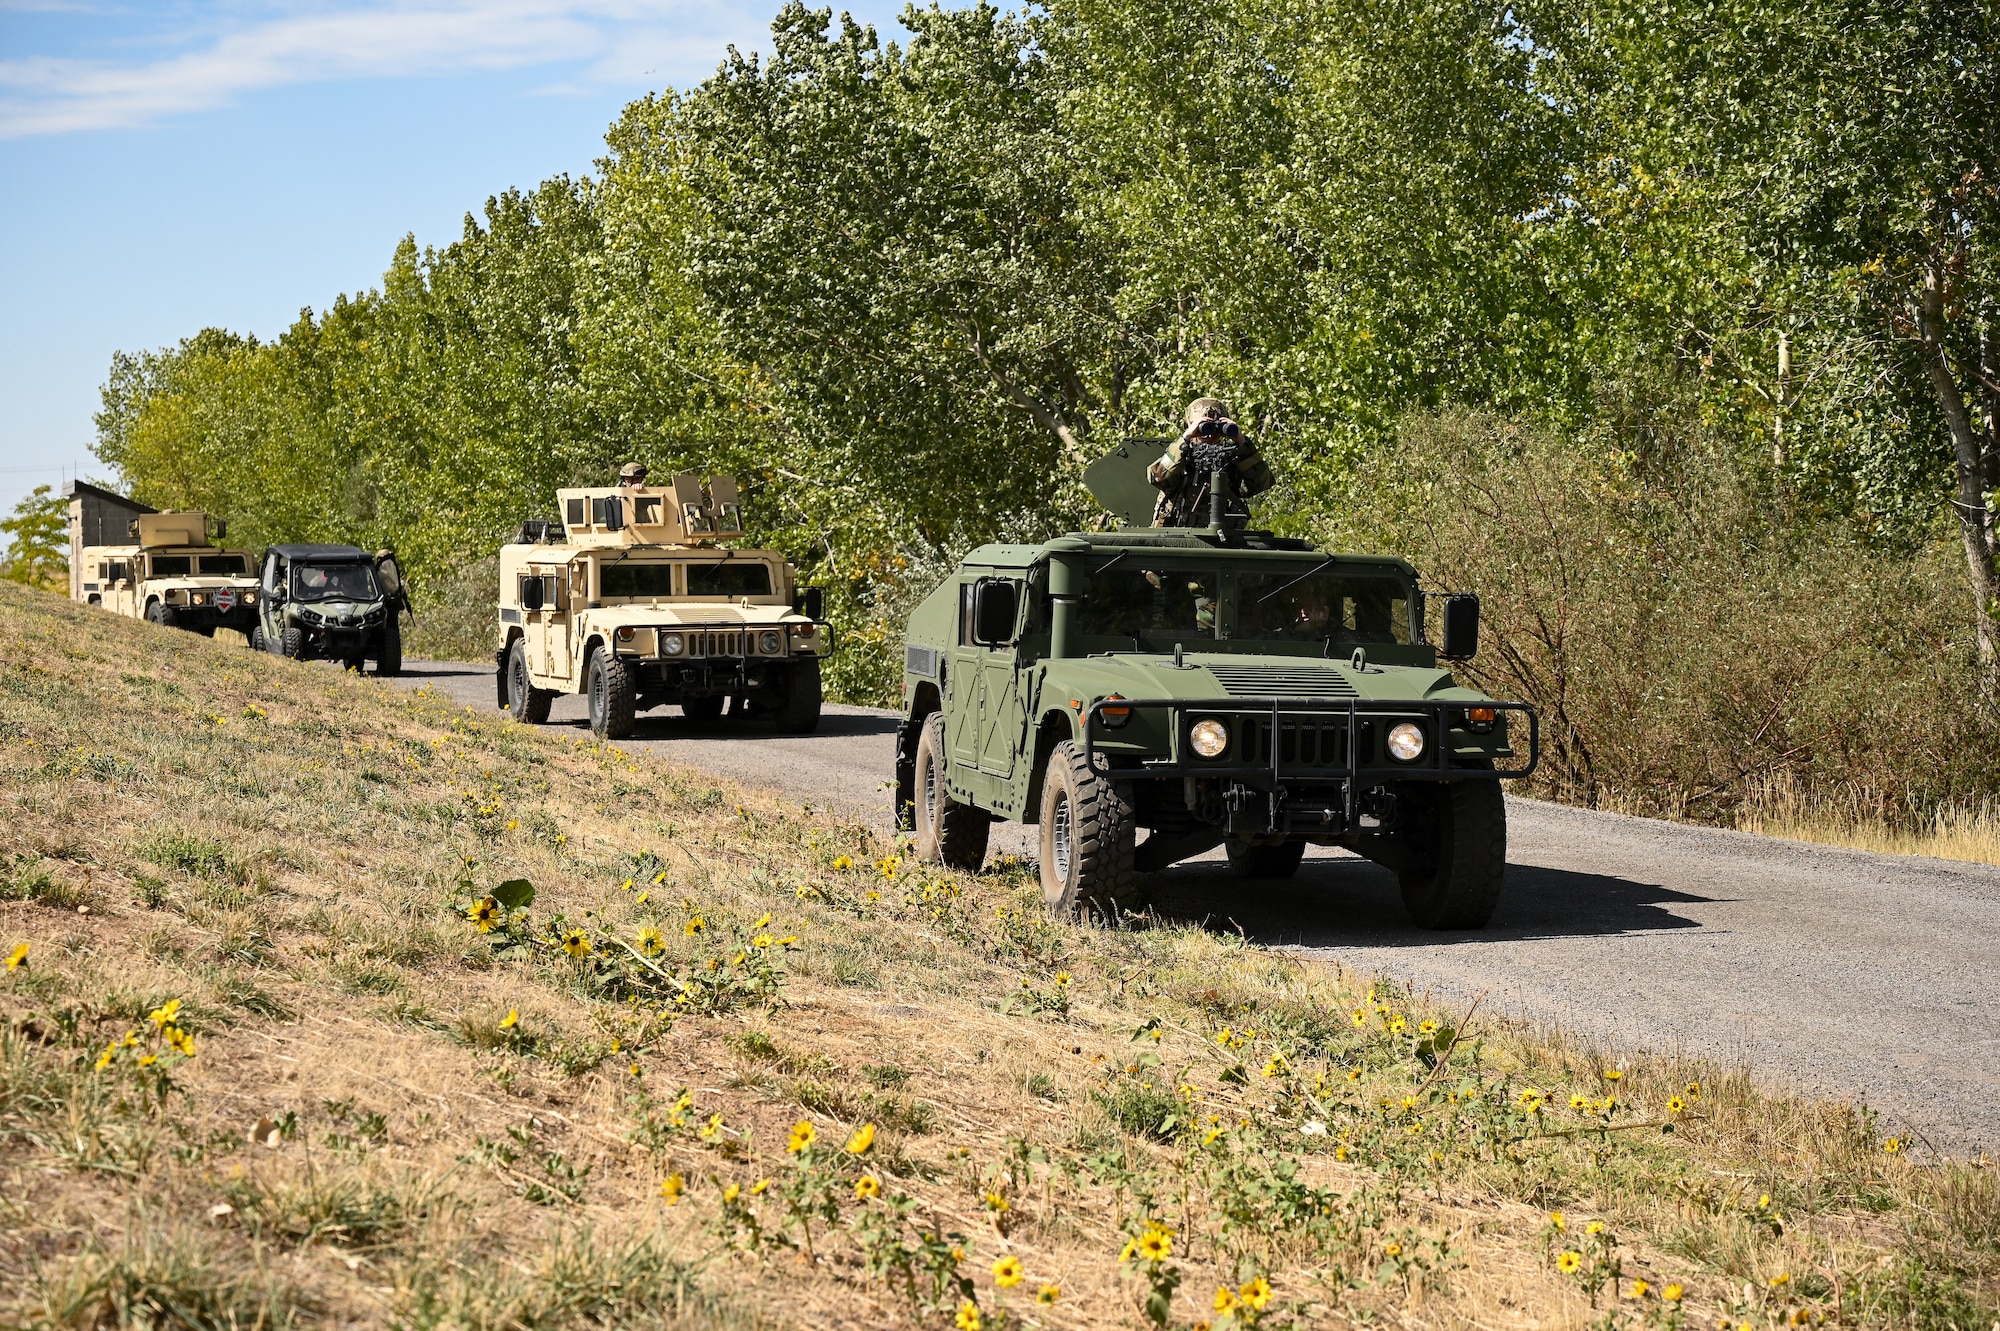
(677, 38)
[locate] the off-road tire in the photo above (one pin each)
(257, 643)
(159, 612)
(389, 652)
(1089, 833)
(947, 831)
(1279, 861)
(613, 702)
(798, 714)
(292, 644)
(703, 710)
(525, 703)
(1456, 884)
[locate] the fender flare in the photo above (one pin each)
(1056, 725)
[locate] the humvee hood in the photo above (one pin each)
(1201, 675)
(646, 615)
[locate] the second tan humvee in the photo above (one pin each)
(133, 560)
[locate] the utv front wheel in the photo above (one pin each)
(1279, 861)
(257, 638)
(528, 704)
(947, 831)
(292, 645)
(1453, 881)
(389, 652)
(612, 700)
(1089, 833)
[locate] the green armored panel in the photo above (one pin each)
(1118, 480)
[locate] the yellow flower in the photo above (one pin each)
(1675, 1104)
(18, 957)
(1672, 1293)
(1780, 1281)
(1396, 1024)
(1274, 1067)
(732, 1192)
(1256, 1293)
(511, 1020)
(968, 1316)
(867, 1187)
(694, 925)
(842, 863)
(1594, 1227)
(672, 1188)
(625, 886)
(1569, 1262)
(1580, 1103)
(650, 941)
(1392, 1250)
(1640, 1289)
(1048, 1294)
(1890, 1147)
(1225, 1299)
(996, 1203)
(863, 1138)
(1062, 978)
(1556, 1220)
(1156, 1245)
(761, 940)
(1358, 1017)
(1007, 1272)
(1694, 1090)
(1427, 1028)
(178, 1040)
(1613, 1074)
(761, 923)
(1354, 1074)
(1531, 1100)
(164, 1014)
(576, 942)
(104, 1059)
(803, 1135)
(1764, 1202)
(888, 865)
(713, 1129)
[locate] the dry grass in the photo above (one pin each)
(364, 1137)
(1955, 830)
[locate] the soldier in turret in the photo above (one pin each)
(632, 476)
(1212, 441)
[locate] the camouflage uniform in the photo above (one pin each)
(1182, 472)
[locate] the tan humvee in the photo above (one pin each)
(134, 560)
(631, 601)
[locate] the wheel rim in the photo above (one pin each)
(517, 678)
(596, 696)
(1061, 837)
(930, 795)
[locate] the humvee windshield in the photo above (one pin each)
(1132, 601)
(221, 566)
(645, 581)
(1347, 609)
(171, 566)
(326, 582)
(729, 579)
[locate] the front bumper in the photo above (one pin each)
(1309, 765)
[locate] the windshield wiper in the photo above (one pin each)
(1301, 578)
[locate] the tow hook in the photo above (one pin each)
(1376, 809)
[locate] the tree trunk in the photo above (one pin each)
(1974, 521)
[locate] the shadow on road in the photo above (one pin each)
(1350, 902)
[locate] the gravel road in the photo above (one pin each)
(1839, 972)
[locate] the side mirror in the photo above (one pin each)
(812, 602)
(1461, 628)
(531, 592)
(614, 514)
(994, 607)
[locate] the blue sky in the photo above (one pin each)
(172, 165)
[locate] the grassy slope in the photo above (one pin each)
(289, 852)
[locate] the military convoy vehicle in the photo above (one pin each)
(134, 560)
(630, 600)
(332, 603)
(1206, 686)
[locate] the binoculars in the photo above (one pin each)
(1216, 430)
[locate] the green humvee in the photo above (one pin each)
(1208, 686)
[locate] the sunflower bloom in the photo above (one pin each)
(1156, 1245)
(867, 1188)
(672, 1188)
(576, 942)
(968, 1316)
(1640, 1289)
(650, 941)
(1007, 1272)
(996, 1203)
(163, 1015)
(18, 957)
(694, 925)
(511, 1020)
(863, 1138)
(1048, 1294)
(1569, 1261)
(485, 913)
(1255, 1294)
(1225, 1299)
(1672, 1293)
(804, 1134)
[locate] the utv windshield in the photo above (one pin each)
(639, 582)
(1131, 601)
(329, 582)
(1339, 608)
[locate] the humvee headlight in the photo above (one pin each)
(1406, 742)
(770, 643)
(1208, 738)
(672, 644)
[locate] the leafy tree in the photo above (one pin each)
(38, 541)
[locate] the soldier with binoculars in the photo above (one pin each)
(1184, 474)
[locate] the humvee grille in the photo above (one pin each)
(1281, 682)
